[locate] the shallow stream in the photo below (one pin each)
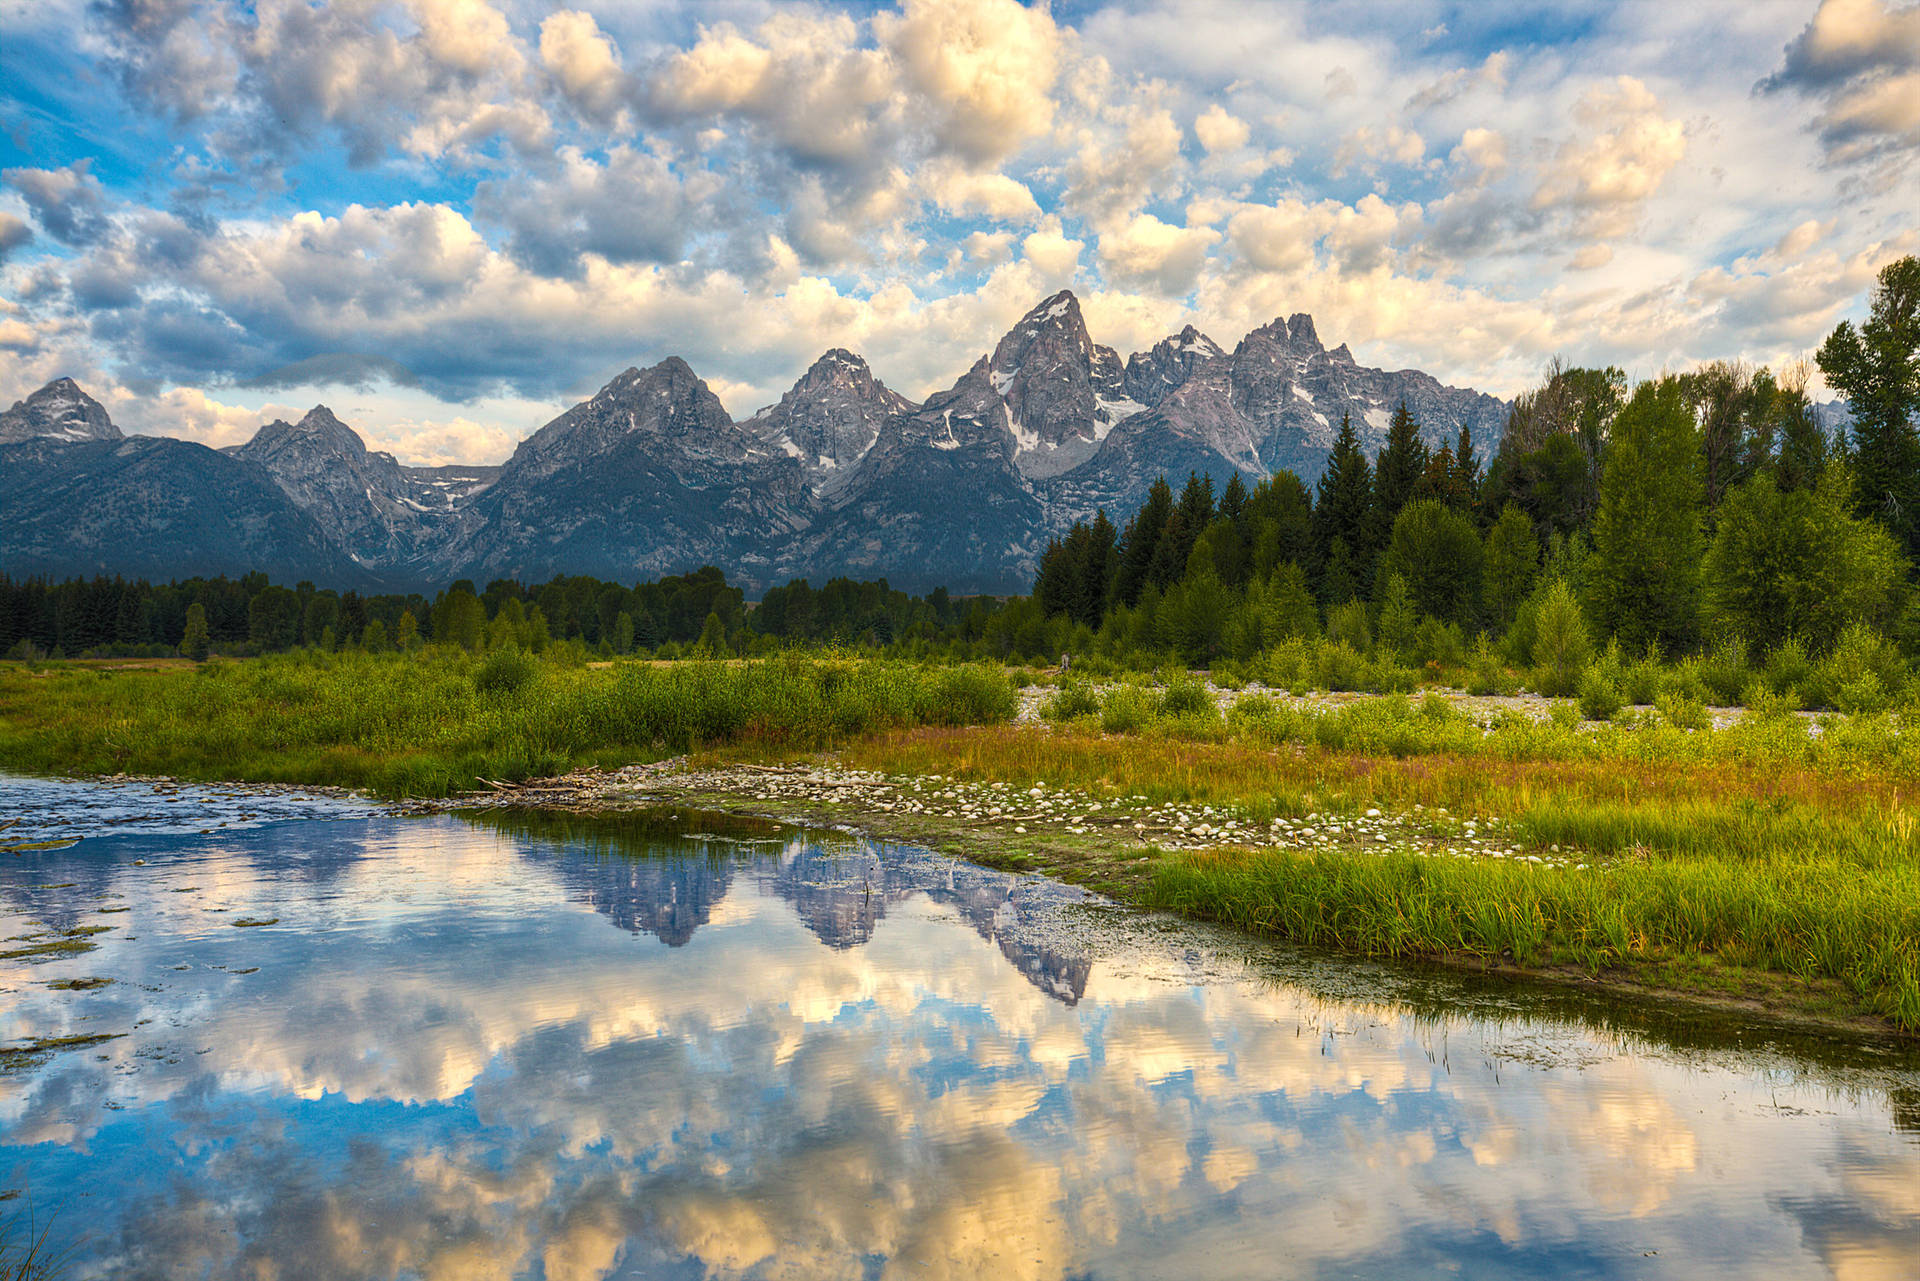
(672, 1045)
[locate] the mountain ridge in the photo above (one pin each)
(651, 475)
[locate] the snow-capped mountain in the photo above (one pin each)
(58, 411)
(842, 475)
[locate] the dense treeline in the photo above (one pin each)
(1700, 513)
(249, 615)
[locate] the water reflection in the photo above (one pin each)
(680, 1049)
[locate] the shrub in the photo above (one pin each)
(505, 671)
(1763, 703)
(1071, 701)
(1185, 696)
(1561, 645)
(1683, 711)
(1600, 697)
(1126, 709)
(1486, 673)
(1788, 667)
(1724, 670)
(1863, 673)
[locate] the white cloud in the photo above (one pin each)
(1218, 130)
(1147, 251)
(986, 67)
(1608, 171)
(583, 62)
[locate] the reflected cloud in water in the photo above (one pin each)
(675, 1047)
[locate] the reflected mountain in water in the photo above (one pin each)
(663, 872)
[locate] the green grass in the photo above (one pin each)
(437, 722)
(1758, 859)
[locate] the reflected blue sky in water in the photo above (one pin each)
(481, 1052)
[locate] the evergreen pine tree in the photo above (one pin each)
(1397, 473)
(1343, 515)
(1141, 539)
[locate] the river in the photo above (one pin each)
(346, 1044)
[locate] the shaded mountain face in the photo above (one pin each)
(829, 420)
(842, 475)
(58, 411)
(649, 477)
(1063, 394)
(375, 511)
(157, 508)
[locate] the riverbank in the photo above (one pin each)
(1420, 883)
(1772, 861)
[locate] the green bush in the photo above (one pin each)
(1071, 701)
(1683, 711)
(505, 671)
(1561, 646)
(1126, 709)
(1863, 673)
(1600, 697)
(1186, 696)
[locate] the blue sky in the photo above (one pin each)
(450, 218)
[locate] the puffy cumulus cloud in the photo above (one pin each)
(631, 207)
(802, 78)
(424, 78)
(986, 68)
(958, 190)
(1123, 157)
(1861, 59)
(1158, 255)
(989, 248)
(1290, 234)
(1368, 147)
(14, 232)
(1220, 130)
(583, 62)
(1606, 174)
(1481, 155)
(68, 203)
(1056, 254)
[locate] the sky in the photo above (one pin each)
(450, 219)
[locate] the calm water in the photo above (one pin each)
(680, 1048)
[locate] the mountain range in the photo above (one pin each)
(652, 476)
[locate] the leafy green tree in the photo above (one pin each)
(1797, 563)
(1290, 607)
(1437, 553)
(373, 638)
(1802, 450)
(623, 633)
(1877, 367)
(1562, 646)
(1399, 620)
(1643, 576)
(1512, 562)
(713, 637)
(195, 641)
(1280, 514)
(406, 633)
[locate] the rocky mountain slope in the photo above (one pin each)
(652, 475)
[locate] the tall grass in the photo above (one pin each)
(1757, 847)
(438, 722)
(1816, 917)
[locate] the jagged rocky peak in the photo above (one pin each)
(1152, 375)
(320, 430)
(830, 418)
(1063, 392)
(58, 411)
(666, 407)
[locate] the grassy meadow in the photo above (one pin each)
(1775, 857)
